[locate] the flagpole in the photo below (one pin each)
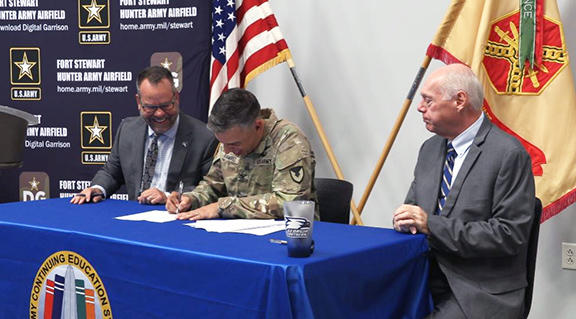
(312, 111)
(439, 40)
(392, 137)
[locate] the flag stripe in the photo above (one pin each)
(246, 41)
(263, 60)
(260, 40)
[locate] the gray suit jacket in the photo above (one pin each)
(480, 240)
(194, 147)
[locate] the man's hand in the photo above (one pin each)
(177, 203)
(410, 218)
(205, 212)
(152, 196)
(87, 195)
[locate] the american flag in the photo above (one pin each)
(246, 41)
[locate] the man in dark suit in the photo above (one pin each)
(157, 152)
(475, 205)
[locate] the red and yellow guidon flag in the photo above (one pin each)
(534, 100)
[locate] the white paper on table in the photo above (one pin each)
(155, 216)
(246, 226)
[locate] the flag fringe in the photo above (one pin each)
(558, 205)
(441, 54)
(282, 56)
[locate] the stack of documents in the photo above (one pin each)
(246, 226)
(155, 216)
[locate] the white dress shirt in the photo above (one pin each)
(165, 147)
(462, 143)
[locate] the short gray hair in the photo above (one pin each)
(462, 79)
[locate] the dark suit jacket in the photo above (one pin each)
(480, 241)
(194, 147)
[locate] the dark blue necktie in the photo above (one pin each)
(150, 165)
(446, 177)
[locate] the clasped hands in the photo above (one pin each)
(177, 204)
(410, 218)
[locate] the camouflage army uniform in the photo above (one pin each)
(280, 168)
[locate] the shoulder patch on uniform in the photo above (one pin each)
(297, 174)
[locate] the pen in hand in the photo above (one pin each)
(179, 190)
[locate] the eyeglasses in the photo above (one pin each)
(152, 108)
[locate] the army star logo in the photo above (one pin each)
(96, 131)
(25, 67)
(94, 11)
(166, 64)
(297, 174)
(34, 184)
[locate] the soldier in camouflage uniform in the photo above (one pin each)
(261, 162)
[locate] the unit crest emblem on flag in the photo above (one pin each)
(501, 57)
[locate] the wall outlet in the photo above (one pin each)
(568, 255)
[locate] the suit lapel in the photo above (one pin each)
(432, 163)
(434, 171)
(469, 162)
(181, 144)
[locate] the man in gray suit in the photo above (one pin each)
(475, 205)
(157, 152)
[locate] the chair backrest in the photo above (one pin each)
(334, 197)
(531, 257)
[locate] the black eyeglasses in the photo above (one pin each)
(152, 108)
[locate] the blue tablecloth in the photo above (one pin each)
(169, 270)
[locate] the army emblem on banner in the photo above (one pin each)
(96, 136)
(501, 59)
(25, 74)
(171, 61)
(94, 15)
(34, 186)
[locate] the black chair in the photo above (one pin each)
(334, 197)
(531, 257)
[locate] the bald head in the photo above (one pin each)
(454, 78)
(452, 100)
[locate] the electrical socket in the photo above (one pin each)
(568, 255)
